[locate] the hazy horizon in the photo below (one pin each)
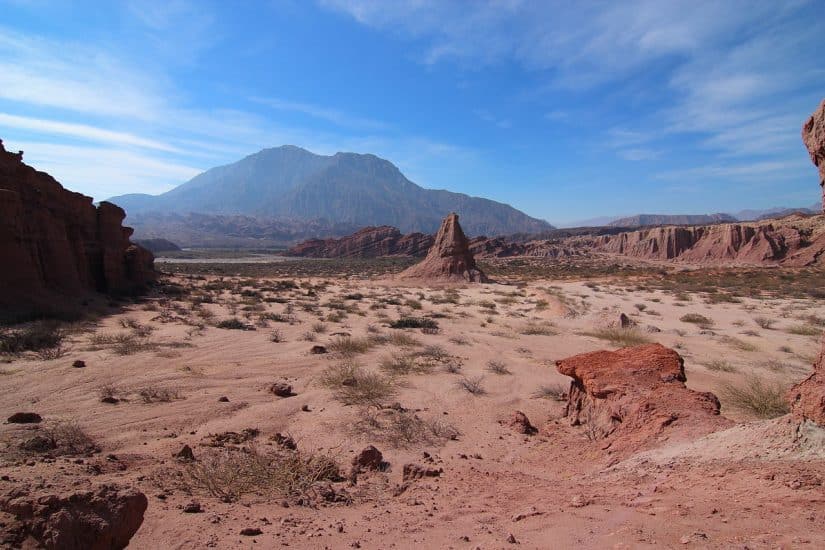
(564, 112)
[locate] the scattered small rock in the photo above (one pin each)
(193, 507)
(511, 538)
(110, 399)
(79, 364)
(305, 408)
(580, 501)
(285, 441)
(185, 454)
(251, 532)
(25, 418)
(369, 458)
(519, 422)
(416, 471)
(223, 399)
(318, 350)
(281, 389)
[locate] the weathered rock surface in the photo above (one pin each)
(370, 242)
(635, 396)
(55, 243)
(813, 136)
(449, 258)
(797, 241)
(103, 519)
(808, 397)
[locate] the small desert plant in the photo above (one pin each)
(534, 329)
(414, 322)
(156, 394)
(738, 343)
(804, 330)
(37, 337)
(319, 328)
(398, 364)
(401, 428)
(756, 396)
(348, 346)
(353, 385)
(719, 365)
(402, 340)
(233, 324)
(460, 340)
(498, 367)
(764, 322)
(63, 438)
(413, 304)
(640, 307)
(556, 392)
(231, 472)
(624, 337)
(696, 319)
(276, 336)
(473, 385)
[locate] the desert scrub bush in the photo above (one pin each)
(319, 328)
(230, 472)
(556, 392)
(804, 330)
(234, 324)
(498, 367)
(764, 322)
(738, 343)
(401, 339)
(473, 385)
(62, 438)
(413, 304)
(460, 340)
(696, 319)
(348, 346)
(399, 364)
(414, 322)
(336, 316)
(756, 396)
(640, 307)
(36, 337)
(276, 336)
(624, 337)
(401, 428)
(156, 394)
(536, 329)
(719, 365)
(352, 385)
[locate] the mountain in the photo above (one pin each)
(641, 220)
(600, 221)
(776, 212)
(290, 183)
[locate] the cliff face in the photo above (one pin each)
(799, 242)
(370, 242)
(56, 243)
(813, 136)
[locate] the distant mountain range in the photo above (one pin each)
(642, 220)
(293, 187)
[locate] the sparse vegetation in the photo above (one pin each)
(623, 337)
(349, 346)
(697, 319)
(401, 428)
(157, 394)
(473, 385)
(765, 322)
(719, 365)
(757, 396)
(414, 322)
(353, 385)
(804, 330)
(498, 367)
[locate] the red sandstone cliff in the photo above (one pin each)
(55, 243)
(370, 242)
(449, 258)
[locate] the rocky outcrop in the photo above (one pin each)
(370, 242)
(636, 396)
(157, 245)
(640, 220)
(449, 258)
(55, 243)
(103, 519)
(796, 241)
(813, 136)
(808, 397)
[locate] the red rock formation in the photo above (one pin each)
(813, 136)
(635, 396)
(449, 257)
(55, 243)
(808, 397)
(370, 242)
(795, 241)
(103, 519)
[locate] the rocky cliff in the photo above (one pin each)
(813, 136)
(55, 243)
(370, 242)
(449, 258)
(795, 241)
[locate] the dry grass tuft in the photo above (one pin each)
(757, 396)
(624, 337)
(401, 428)
(352, 385)
(473, 385)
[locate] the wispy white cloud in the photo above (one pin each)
(82, 131)
(334, 116)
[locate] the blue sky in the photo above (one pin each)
(566, 110)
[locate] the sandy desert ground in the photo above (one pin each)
(160, 374)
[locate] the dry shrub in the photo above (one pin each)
(229, 473)
(353, 385)
(719, 365)
(534, 329)
(348, 346)
(155, 394)
(64, 438)
(757, 396)
(41, 337)
(804, 330)
(473, 385)
(556, 392)
(498, 367)
(764, 322)
(738, 343)
(400, 428)
(623, 337)
(696, 319)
